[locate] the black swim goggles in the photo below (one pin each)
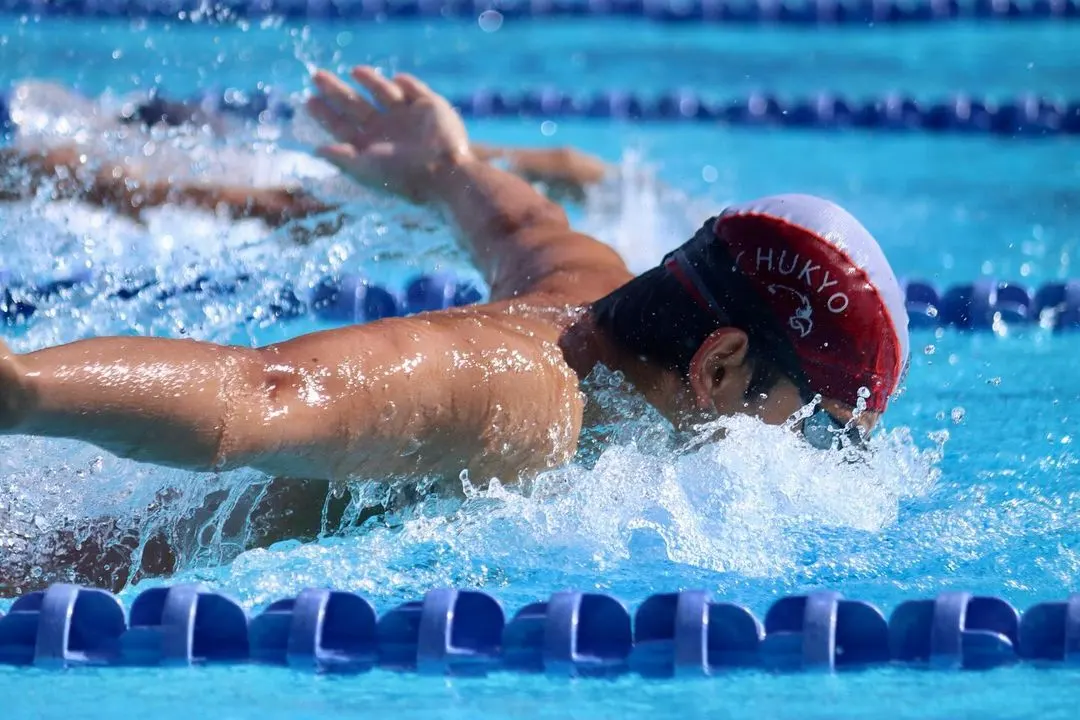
(821, 429)
(825, 431)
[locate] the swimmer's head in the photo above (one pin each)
(158, 111)
(771, 304)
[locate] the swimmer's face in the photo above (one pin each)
(783, 400)
(720, 384)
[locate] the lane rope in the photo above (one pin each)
(349, 298)
(805, 13)
(1027, 116)
(466, 632)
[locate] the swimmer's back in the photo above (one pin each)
(487, 389)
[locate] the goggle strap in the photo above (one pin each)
(684, 273)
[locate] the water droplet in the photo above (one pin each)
(490, 20)
(995, 381)
(388, 411)
(929, 350)
(411, 447)
(958, 414)
(548, 128)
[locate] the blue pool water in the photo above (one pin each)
(975, 485)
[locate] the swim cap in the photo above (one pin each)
(822, 279)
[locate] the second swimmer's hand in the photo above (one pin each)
(399, 143)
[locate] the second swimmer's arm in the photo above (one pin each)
(565, 172)
(71, 175)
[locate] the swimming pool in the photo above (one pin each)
(975, 486)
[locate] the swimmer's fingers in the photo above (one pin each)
(342, 98)
(332, 121)
(411, 87)
(385, 92)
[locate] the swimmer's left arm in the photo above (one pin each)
(411, 142)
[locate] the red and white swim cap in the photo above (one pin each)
(819, 278)
(830, 287)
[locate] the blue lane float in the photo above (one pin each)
(184, 625)
(1050, 632)
(449, 632)
(955, 630)
(687, 634)
(1024, 117)
(352, 298)
(465, 632)
(322, 630)
(572, 633)
(987, 302)
(62, 626)
(990, 305)
(822, 631)
(734, 12)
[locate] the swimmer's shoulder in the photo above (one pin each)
(517, 403)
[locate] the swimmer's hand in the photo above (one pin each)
(400, 143)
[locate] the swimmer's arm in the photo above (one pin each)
(276, 206)
(412, 143)
(71, 177)
(393, 398)
(521, 240)
(566, 172)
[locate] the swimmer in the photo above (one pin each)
(774, 305)
(66, 173)
(71, 172)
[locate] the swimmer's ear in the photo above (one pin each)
(719, 375)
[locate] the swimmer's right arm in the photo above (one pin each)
(415, 146)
